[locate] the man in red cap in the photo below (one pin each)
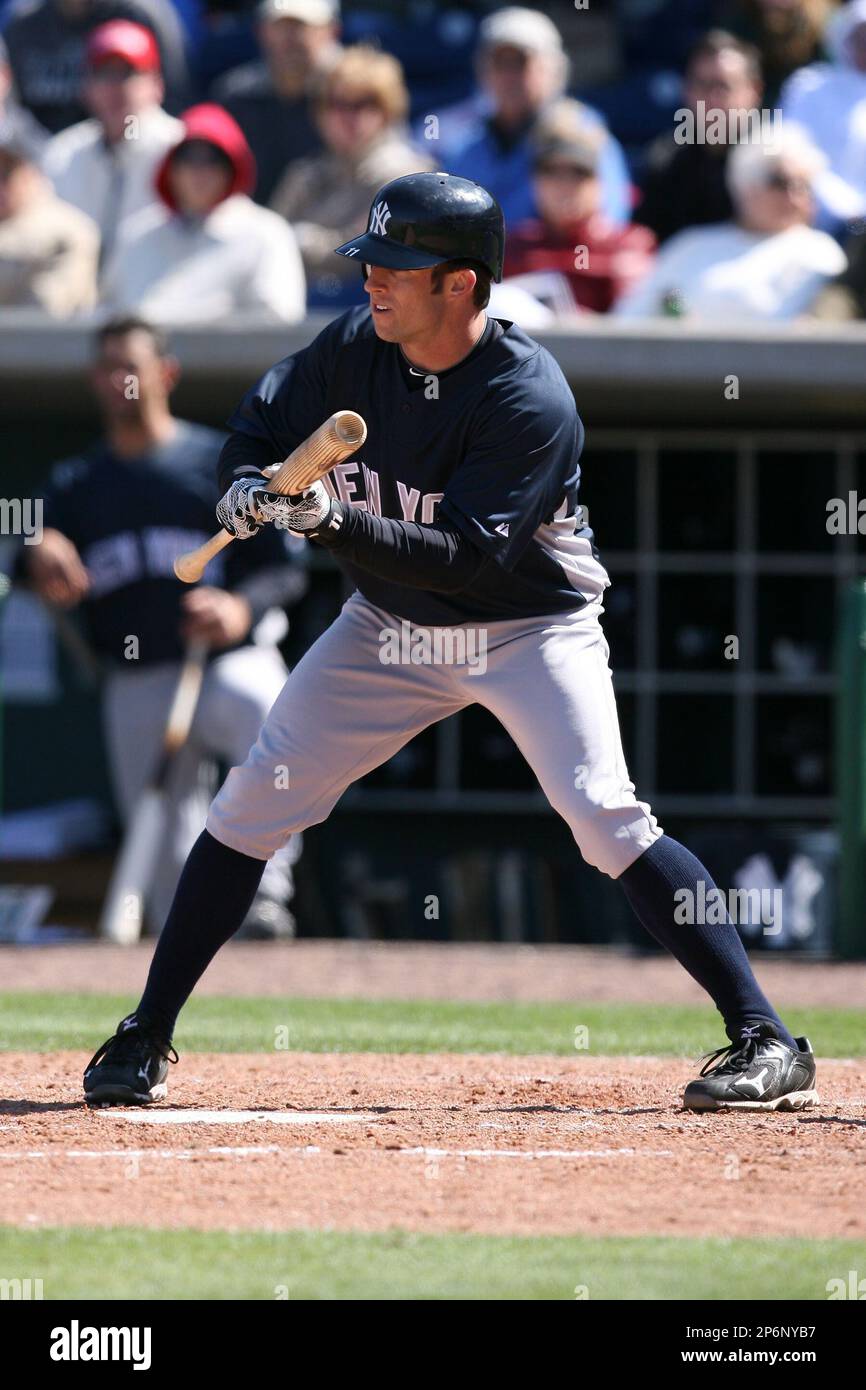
(106, 165)
(46, 40)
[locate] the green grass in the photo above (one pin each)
(81, 1263)
(46, 1022)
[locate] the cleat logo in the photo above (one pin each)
(379, 219)
(758, 1082)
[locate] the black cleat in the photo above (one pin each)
(758, 1072)
(130, 1068)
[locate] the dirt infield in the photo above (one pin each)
(430, 970)
(526, 1145)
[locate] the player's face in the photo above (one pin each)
(402, 303)
(129, 373)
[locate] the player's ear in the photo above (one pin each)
(463, 282)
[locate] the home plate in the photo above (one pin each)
(242, 1117)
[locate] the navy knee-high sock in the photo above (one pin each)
(713, 955)
(214, 895)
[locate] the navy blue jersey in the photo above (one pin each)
(130, 518)
(492, 446)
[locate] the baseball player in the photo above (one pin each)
(114, 517)
(457, 518)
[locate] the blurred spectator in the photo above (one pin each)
(361, 109)
(48, 250)
(270, 98)
(572, 239)
(106, 165)
(768, 264)
(685, 184)
(47, 39)
(115, 516)
(788, 34)
(210, 252)
(829, 99)
(522, 68)
(14, 116)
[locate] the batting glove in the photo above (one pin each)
(307, 512)
(237, 512)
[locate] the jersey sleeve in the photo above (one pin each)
(289, 402)
(521, 461)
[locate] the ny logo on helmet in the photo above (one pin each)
(379, 219)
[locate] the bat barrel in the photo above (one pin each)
(350, 427)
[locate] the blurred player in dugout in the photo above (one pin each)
(115, 517)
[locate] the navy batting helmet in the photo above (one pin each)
(424, 219)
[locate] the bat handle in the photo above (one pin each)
(191, 567)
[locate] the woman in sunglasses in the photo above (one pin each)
(361, 107)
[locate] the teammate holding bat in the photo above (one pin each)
(115, 516)
(461, 509)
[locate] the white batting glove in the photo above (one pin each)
(237, 512)
(304, 513)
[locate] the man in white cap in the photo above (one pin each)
(269, 98)
(523, 68)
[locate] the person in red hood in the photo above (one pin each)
(207, 252)
(573, 246)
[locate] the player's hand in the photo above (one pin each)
(237, 512)
(56, 571)
(213, 616)
(305, 512)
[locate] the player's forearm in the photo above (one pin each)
(438, 558)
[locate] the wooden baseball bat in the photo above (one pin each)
(336, 439)
(123, 910)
